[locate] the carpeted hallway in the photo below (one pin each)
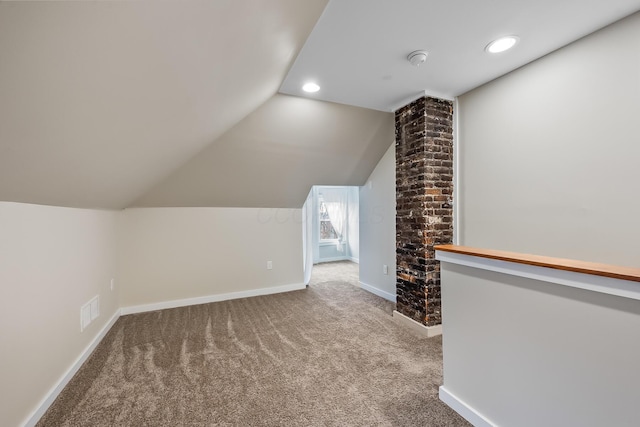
(330, 355)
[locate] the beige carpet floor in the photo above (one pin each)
(330, 355)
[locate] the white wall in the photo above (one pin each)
(53, 261)
(307, 236)
(549, 153)
(378, 228)
(523, 352)
(353, 222)
(168, 254)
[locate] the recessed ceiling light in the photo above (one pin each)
(501, 44)
(310, 87)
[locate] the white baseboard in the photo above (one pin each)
(33, 419)
(210, 298)
(465, 411)
(356, 260)
(416, 327)
(384, 294)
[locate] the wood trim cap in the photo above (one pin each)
(596, 269)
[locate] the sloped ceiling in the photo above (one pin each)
(274, 156)
(110, 104)
(99, 101)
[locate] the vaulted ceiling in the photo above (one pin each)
(274, 156)
(100, 101)
(113, 104)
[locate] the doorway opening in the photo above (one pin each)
(331, 233)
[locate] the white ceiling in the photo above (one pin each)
(110, 104)
(274, 156)
(101, 100)
(357, 51)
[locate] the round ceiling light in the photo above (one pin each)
(501, 44)
(310, 87)
(417, 57)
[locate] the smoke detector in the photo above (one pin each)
(417, 57)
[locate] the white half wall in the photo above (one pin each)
(54, 260)
(378, 228)
(527, 353)
(549, 153)
(169, 254)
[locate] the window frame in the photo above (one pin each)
(321, 241)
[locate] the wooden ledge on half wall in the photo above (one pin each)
(596, 269)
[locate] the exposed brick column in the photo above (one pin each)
(424, 211)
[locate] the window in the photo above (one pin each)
(327, 231)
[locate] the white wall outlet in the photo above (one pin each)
(112, 283)
(269, 265)
(385, 269)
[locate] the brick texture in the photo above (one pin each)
(424, 211)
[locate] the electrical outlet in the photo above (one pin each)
(269, 265)
(385, 269)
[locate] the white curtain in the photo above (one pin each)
(335, 200)
(307, 237)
